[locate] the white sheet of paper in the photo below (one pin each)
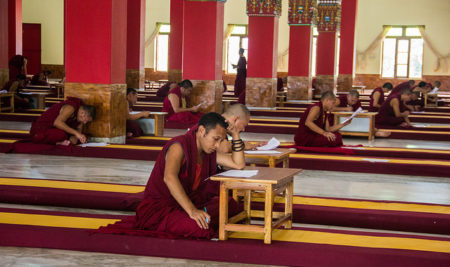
(262, 152)
(93, 144)
(359, 110)
(376, 160)
(272, 144)
(239, 173)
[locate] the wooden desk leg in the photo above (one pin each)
(288, 203)
(268, 215)
(11, 103)
(223, 211)
(247, 205)
(235, 195)
(286, 162)
(271, 162)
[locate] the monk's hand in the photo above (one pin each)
(253, 146)
(195, 108)
(406, 113)
(201, 218)
(232, 124)
(330, 136)
(347, 122)
(145, 114)
(81, 137)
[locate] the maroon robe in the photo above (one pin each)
(307, 137)
(16, 66)
(386, 114)
(42, 130)
(185, 117)
(134, 128)
(163, 91)
(159, 214)
(279, 84)
(398, 89)
(36, 81)
(380, 99)
(343, 103)
(241, 76)
(241, 99)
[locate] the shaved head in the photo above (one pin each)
(238, 110)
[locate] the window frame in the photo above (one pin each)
(241, 36)
(156, 47)
(398, 38)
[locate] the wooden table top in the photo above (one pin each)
(284, 152)
(362, 114)
(265, 175)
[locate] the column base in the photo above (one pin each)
(261, 92)
(135, 78)
(175, 76)
(208, 92)
(299, 88)
(4, 76)
(110, 103)
(325, 83)
(344, 82)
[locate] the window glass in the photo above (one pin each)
(395, 32)
(416, 58)
(165, 28)
(162, 49)
(413, 32)
(389, 57)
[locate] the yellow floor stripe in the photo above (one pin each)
(7, 140)
(437, 151)
(347, 158)
(355, 204)
(22, 114)
(14, 131)
(72, 185)
(413, 131)
(301, 236)
(273, 125)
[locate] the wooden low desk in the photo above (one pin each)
(7, 97)
(429, 103)
(270, 159)
(271, 181)
(362, 125)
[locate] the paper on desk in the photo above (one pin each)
(239, 173)
(93, 144)
(262, 152)
(376, 160)
(359, 110)
(134, 112)
(272, 144)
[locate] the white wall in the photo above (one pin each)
(50, 14)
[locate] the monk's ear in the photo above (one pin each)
(201, 129)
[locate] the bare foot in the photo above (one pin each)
(64, 143)
(382, 133)
(129, 134)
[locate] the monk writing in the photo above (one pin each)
(393, 111)
(178, 201)
(62, 123)
(377, 97)
(315, 129)
(133, 128)
(176, 105)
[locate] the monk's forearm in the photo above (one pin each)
(135, 116)
(313, 127)
(178, 193)
(178, 110)
(238, 156)
(63, 126)
(335, 128)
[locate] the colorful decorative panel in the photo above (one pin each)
(264, 8)
(302, 12)
(328, 15)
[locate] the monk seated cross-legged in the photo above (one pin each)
(179, 200)
(315, 128)
(349, 102)
(393, 112)
(15, 87)
(62, 123)
(377, 97)
(176, 105)
(133, 128)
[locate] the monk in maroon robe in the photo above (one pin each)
(62, 123)
(315, 129)
(241, 76)
(132, 127)
(17, 65)
(179, 199)
(349, 102)
(377, 97)
(416, 102)
(405, 85)
(164, 90)
(176, 105)
(21, 101)
(393, 111)
(40, 78)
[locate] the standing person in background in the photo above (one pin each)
(241, 76)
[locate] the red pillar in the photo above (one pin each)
(347, 51)
(95, 57)
(261, 84)
(300, 43)
(10, 35)
(202, 51)
(328, 20)
(176, 40)
(135, 43)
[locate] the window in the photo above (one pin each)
(162, 48)
(238, 39)
(402, 53)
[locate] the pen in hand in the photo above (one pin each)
(207, 221)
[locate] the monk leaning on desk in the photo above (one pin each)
(62, 123)
(179, 200)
